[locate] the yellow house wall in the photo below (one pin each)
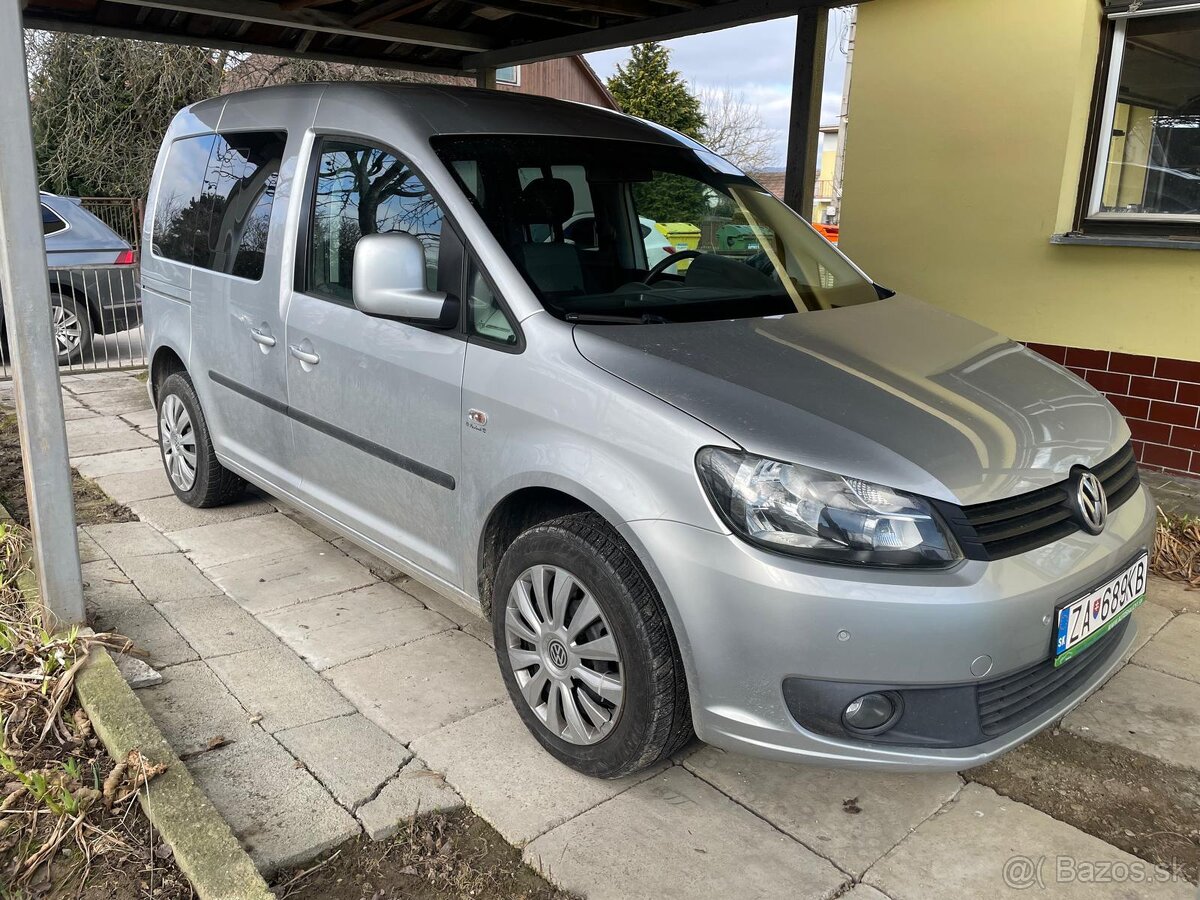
(967, 129)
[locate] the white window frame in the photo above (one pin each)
(516, 79)
(1108, 115)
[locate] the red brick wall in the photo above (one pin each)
(1159, 397)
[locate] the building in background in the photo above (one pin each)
(828, 191)
(1036, 167)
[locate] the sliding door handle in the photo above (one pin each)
(305, 356)
(261, 337)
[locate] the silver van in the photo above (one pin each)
(742, 493)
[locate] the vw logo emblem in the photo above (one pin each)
(1090, 502)
(557, 654)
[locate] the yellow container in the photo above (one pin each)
(681, 234)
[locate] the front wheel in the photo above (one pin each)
(586, 649)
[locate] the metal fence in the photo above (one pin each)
(96, 313)
(122, 214)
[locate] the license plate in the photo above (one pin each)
(1084, 621)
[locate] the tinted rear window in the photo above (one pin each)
(51, 223)
(215, 198)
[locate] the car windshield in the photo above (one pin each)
(628, 232)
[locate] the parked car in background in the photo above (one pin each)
(764, 498)
(93, 277)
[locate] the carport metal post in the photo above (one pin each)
(808, 76)
(26, 291)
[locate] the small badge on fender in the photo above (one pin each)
(477, 419)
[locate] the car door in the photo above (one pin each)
(374, 401)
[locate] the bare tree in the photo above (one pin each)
(735, 129)
(252, 70)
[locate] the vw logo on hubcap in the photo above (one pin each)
(556, 653)
(1090, 502)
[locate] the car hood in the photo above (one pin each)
(896, 392)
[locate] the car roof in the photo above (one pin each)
(436, 109)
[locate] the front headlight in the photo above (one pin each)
(807, 512)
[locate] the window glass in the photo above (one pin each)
(364, 190)
(487, 319)
(215, 200)
(51, 223)
(613, 232)
(508, 75)
(1154, 147)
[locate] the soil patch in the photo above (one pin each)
(92, 505)
(1141, 805)
(436, 857)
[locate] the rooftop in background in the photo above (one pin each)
(446, 36)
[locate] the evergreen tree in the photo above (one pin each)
(646, 86)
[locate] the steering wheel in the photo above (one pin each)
(663, 264)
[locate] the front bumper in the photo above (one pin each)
(748, 621)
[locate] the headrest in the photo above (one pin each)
(548, 201)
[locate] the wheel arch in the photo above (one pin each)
(165, 361)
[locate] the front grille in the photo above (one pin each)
(1015, 525)
(1015, 699)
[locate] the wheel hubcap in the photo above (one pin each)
(178, 440)
(67, 330)
(563, 654)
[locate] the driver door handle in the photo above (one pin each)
(303, 355)
(261, 337)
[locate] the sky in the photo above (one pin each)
(756, 61)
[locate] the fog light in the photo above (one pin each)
(871, 713)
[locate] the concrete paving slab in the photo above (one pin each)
(691, 841)
(144, 484)
(87, 383)
(192, 706)
(150, 434)
(77, 412)
(142, 418)
(508, 779)
(850, 817)
(325, 646)
(89, 550)
(117, 463)
(168, 576)
(1175, 650)
(363, 603)
(216, 626)
(1149, 619)
(168, 513)
(375, 565)
(269, 535)
(469, 620)
(1174, 595)
(117, 403)
(412, 690)
(264, 583)
(984, 845)
(148, 630)
(106, 588)
(307, 522)
(274, 683)
(96, 425)
(415, 791)
(123, 540)
(93, 444)
(279, 812)
(350, 756)
(864, 892)
(1147, 711)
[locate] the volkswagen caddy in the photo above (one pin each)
(756, 497)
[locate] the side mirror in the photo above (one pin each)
(389, 280)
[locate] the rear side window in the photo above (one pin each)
(215, 198)
(51, 223)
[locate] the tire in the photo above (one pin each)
(186, 447)
(71, 323)
(651, 718)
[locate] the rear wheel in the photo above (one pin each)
(72, 327)
(586, 649)
(196, 476)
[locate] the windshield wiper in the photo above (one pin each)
(597, 319)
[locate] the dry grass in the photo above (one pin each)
(65, 808)
(1177, 549)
